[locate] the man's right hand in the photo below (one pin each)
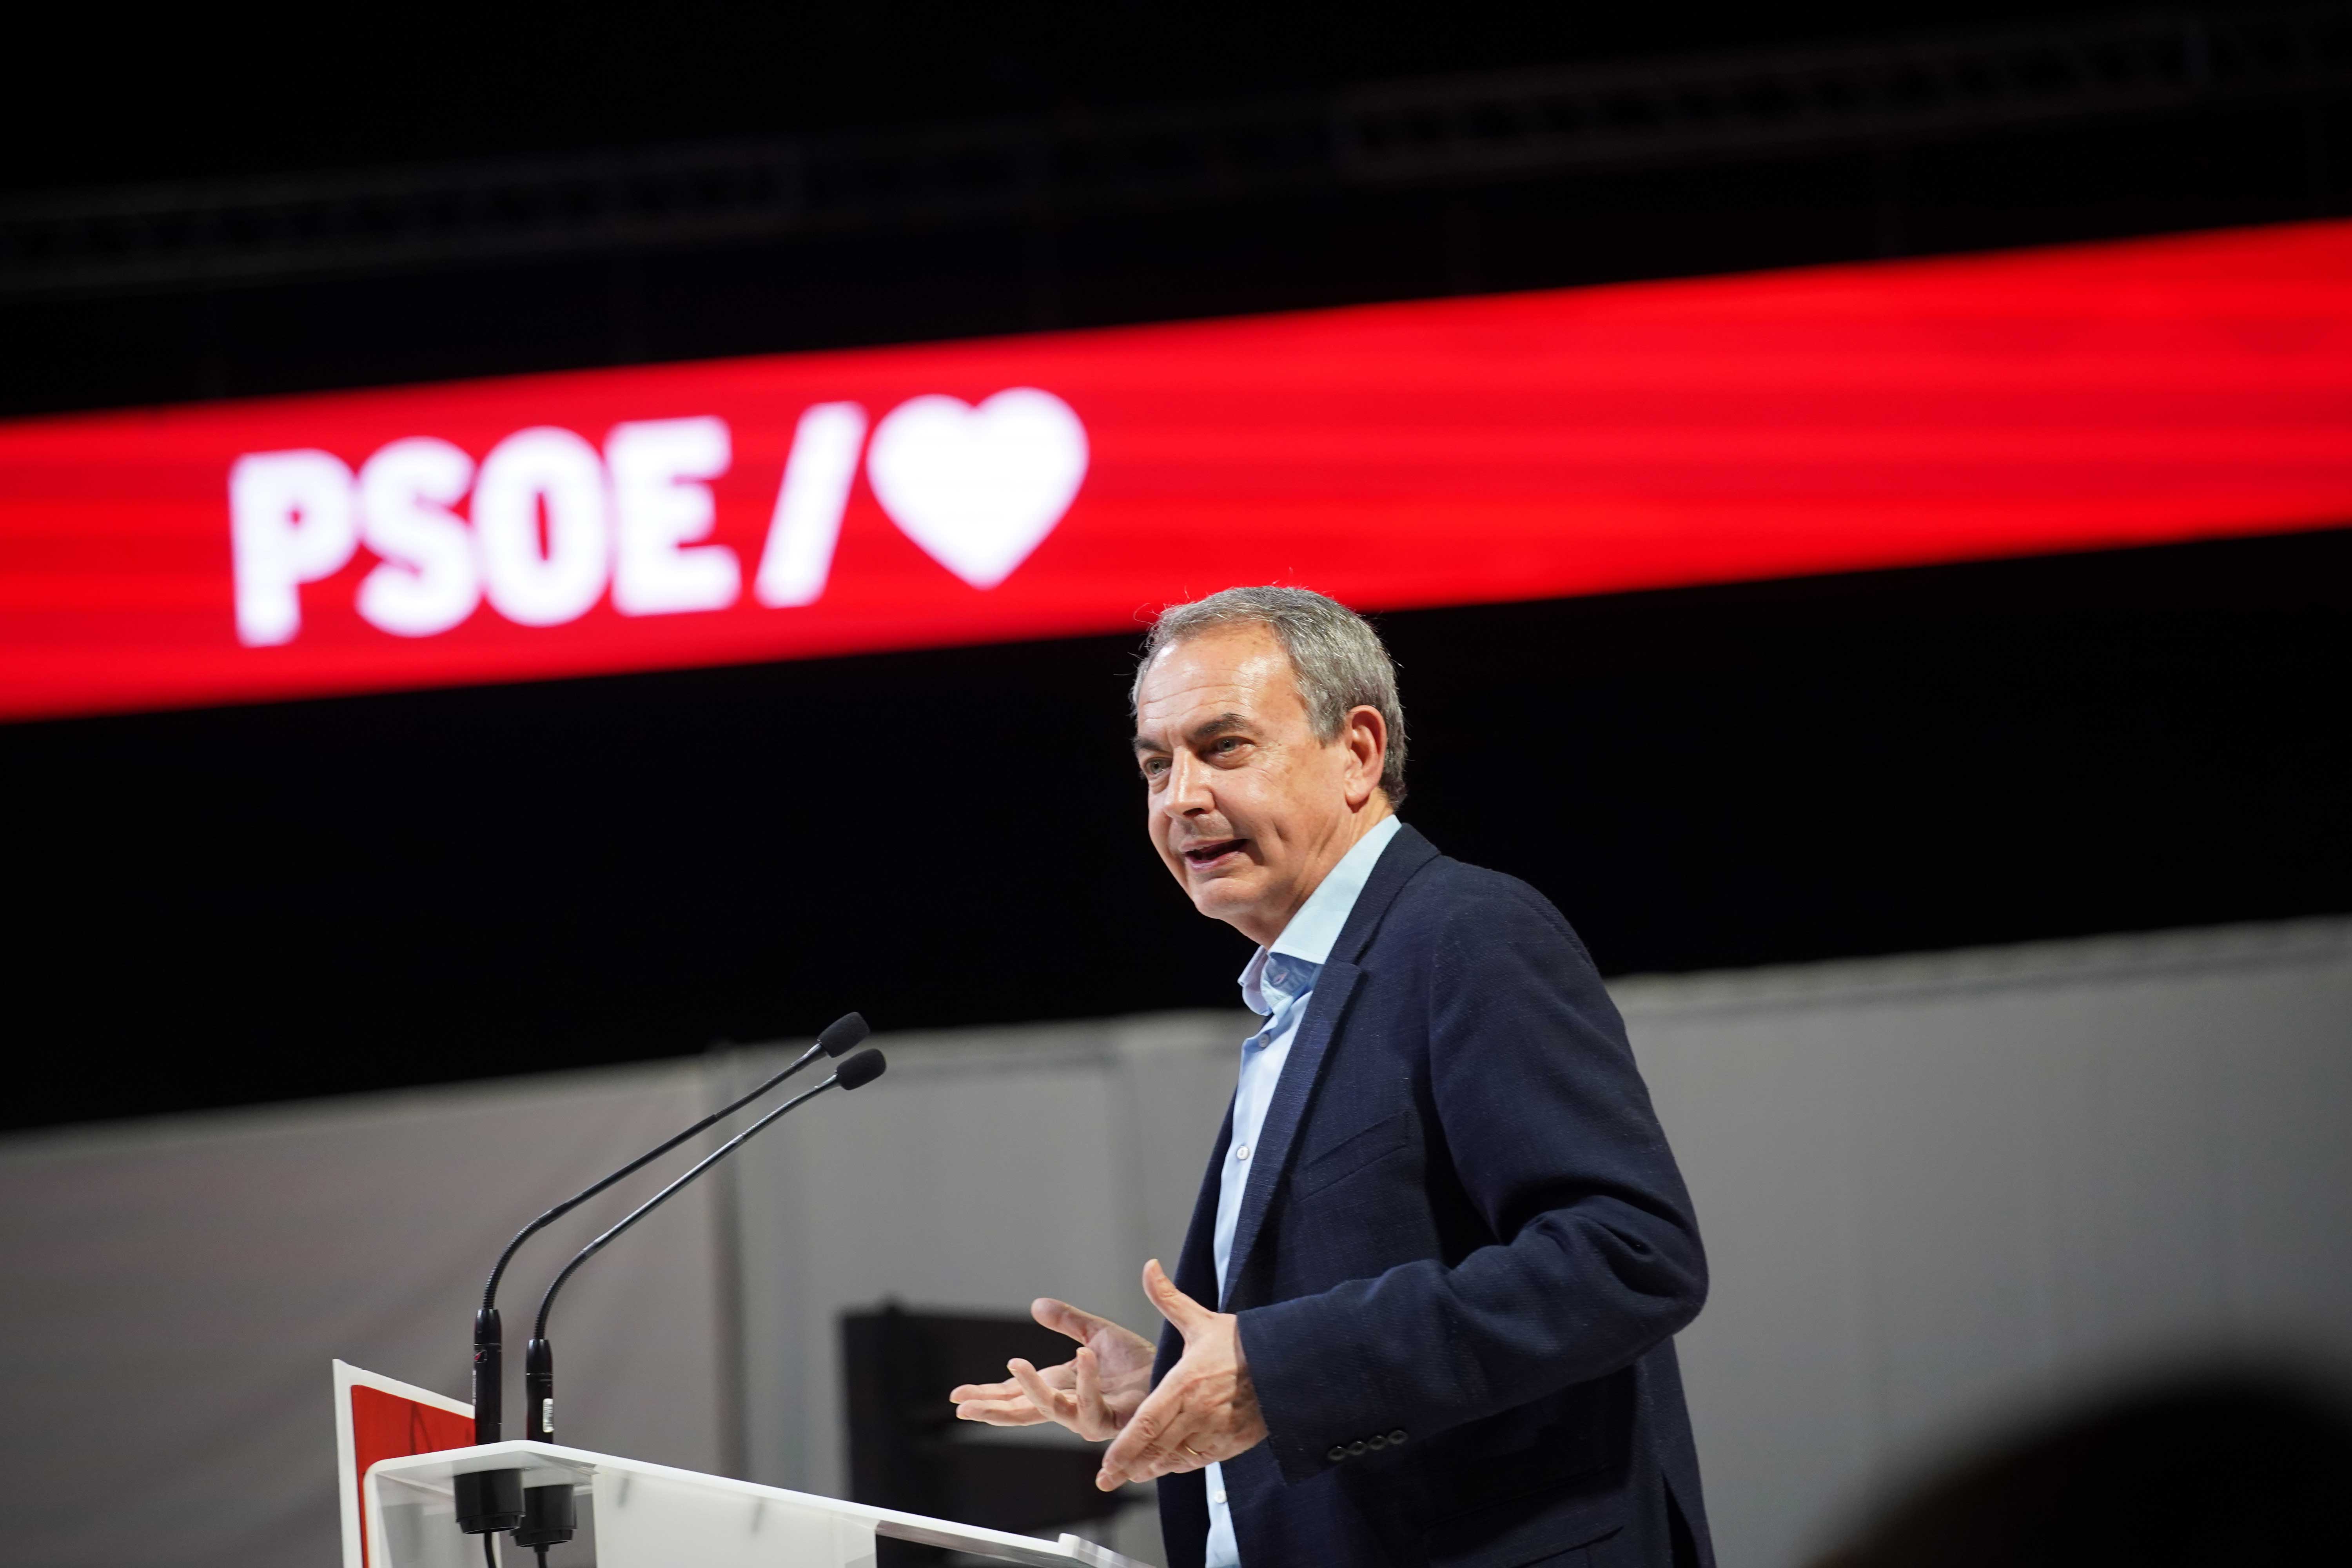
(1092, 1393)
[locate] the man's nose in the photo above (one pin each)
(1188, 790)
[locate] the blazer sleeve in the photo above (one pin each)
(1551, 1133)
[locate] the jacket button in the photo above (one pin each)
(1336, 1455)
(1397, 1435)
(1356, 1447)
(1376, 1442)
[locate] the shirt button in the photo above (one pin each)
(1242, 1152)
(1218, 1497)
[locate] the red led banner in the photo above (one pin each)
(1452, 452)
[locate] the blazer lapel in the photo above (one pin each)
(1288, 1106)
(1196, 1265)
(1326, 1009)
(1407, 853)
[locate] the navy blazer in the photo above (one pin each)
(1461, 1256)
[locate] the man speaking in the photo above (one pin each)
(1446, 1244)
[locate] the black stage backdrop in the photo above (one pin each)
(246, 904)
(2209, 168)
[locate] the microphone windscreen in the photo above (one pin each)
(843, 1033)
(860, 1070)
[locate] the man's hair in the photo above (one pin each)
(1338, 659)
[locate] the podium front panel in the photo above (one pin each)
(647, 1521)
(652, 1516)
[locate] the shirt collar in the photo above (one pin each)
(1316, 926)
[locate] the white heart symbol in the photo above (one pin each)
(978, 487)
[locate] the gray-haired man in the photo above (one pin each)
(1447, 1246)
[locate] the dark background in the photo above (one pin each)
(241, 904)
(100, 100)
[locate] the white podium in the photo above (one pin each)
(651, 1516)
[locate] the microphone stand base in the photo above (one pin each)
(492, 1500)
(549, 1516)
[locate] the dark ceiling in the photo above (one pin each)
(174, 93)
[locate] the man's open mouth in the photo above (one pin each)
(1210, 854)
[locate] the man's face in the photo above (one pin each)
(1246, 806)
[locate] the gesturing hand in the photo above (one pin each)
(1093, 1394)
(1204, 1410)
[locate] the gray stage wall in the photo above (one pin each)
(1939, 1193)
(1936, 1191)
(172, 1292)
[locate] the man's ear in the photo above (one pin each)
(1367, 738)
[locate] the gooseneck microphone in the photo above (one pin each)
(539, 1357)
(492, 1500)
(489, 1340)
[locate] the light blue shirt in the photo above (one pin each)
(1276, 985)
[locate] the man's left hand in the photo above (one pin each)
(1204, 1410)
